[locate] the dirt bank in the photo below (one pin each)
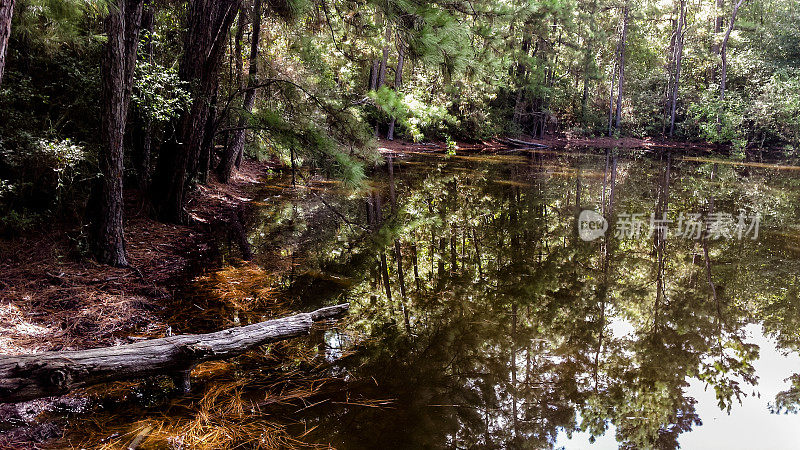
(52, 297)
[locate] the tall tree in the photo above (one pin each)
(621, 81)
(119, 59)
(679, 35)
(724, 49)
(6, 13)
(143, 157)
(209, 22)
(234, 151)
(588, 60)
(398, 80)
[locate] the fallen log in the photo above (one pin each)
(27, 377)
(516, 143)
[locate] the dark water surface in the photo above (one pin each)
(480, 318)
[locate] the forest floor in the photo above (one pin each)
(52, 297)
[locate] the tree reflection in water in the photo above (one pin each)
(488, 323)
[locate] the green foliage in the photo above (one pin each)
(450, 148)
(788, 401)
(717, 120)
(52, 24)
(774, 114)
(158, 92)
(307, 141)
(419, 118)
(44, 176)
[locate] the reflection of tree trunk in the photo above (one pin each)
(477, 253)
(606, 261)
(370, 214)
(660, 244)
(605, 179)
(613, 184)
(399, 257)
(440, 260)
(415, 261)
(453, 254)
(385, 271)
(392, 193)
(707, 261)
(514, 368)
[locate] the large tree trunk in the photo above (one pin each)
(234, 151)
(6, 12)
(48, 374)
(208, 25)
(621, 80)
(678, 61)
(119, 59)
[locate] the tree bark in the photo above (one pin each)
(678, 61)
(207, 149)
(233, 152)
(718, 19)
(144, 157)
(382, 68)
(621, 80)
(611, 94)
(28, 377)
(398, 81)
(724, 49)
(119, 59)
(6, 13)
(587, 62)
(373, 79)
(208, 25)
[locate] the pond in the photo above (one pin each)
(596, 299)
(482, 317)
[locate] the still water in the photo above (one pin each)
(481, 319)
